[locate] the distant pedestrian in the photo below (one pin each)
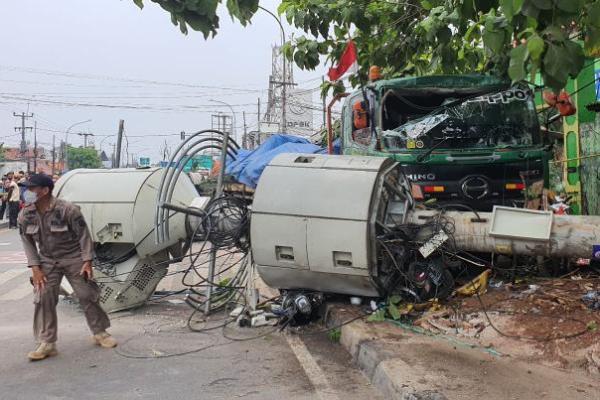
(14, 198)
(57, 243)
(3, 196)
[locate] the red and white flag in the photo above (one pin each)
(347, 65)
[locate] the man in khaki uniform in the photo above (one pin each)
(57, 243)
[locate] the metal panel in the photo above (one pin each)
(327, 237)
(521, 223)
(269, 232)
(349, 198)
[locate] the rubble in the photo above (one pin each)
(592, 299)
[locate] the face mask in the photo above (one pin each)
(30, 197)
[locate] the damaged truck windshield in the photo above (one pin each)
(495, 120)
(468, 139)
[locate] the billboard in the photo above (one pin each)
(299, 112)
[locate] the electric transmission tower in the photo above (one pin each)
(280, 81)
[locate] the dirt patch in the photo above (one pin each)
(541, 320)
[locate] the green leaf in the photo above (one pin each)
(543, 4)
(377, 316)
(426, 4)
(511, 8)
(555, 33)
(535, 46)
(555, 67)
(530, 10)
(593, 14)
(393, 311)
(494, 40)
(139, 3)
(516, 66)
(575, 56)
(395, 299)
(570, 6)
(592, 326)
(243, 10)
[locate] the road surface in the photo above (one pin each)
(273, 367)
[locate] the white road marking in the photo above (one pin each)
(10, 274)
(22, 290)
(315, 374)
(5, 243)
(13, 257)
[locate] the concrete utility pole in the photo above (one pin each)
(119, 141)
(35, 153)
(258, 122)
(53, 154)
(245, 138)
(85, 138)
(22, 129)
(570, 235)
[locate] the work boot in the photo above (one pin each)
(104, 339)
(44, 350)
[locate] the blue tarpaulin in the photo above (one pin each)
(249, 164)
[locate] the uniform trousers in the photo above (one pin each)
(45, 321)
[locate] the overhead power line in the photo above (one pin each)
(116, 79)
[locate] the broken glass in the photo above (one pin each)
(497, 120)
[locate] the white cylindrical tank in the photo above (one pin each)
(119, 204)
(313, 221)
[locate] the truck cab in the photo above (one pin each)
(472, 140)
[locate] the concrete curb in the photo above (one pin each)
(381, 366)
(4, 225)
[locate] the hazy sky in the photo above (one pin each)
(58, 55)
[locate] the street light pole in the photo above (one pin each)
(283, 126)
(233, 127)
(66, 155)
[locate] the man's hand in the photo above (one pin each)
(86, 270)
(39, 279)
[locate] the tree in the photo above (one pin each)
(201, 15)
(83, 158)
(514, 38)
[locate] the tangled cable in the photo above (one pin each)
(227, 223)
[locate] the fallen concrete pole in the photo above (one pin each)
(571, 235)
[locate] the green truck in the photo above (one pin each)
(471, 140)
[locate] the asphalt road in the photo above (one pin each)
(276, 366)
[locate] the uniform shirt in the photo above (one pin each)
(16, 191)
(58, 236)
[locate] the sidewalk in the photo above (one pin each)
(405, 365)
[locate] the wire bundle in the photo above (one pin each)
(186, 151)
(227, 223)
